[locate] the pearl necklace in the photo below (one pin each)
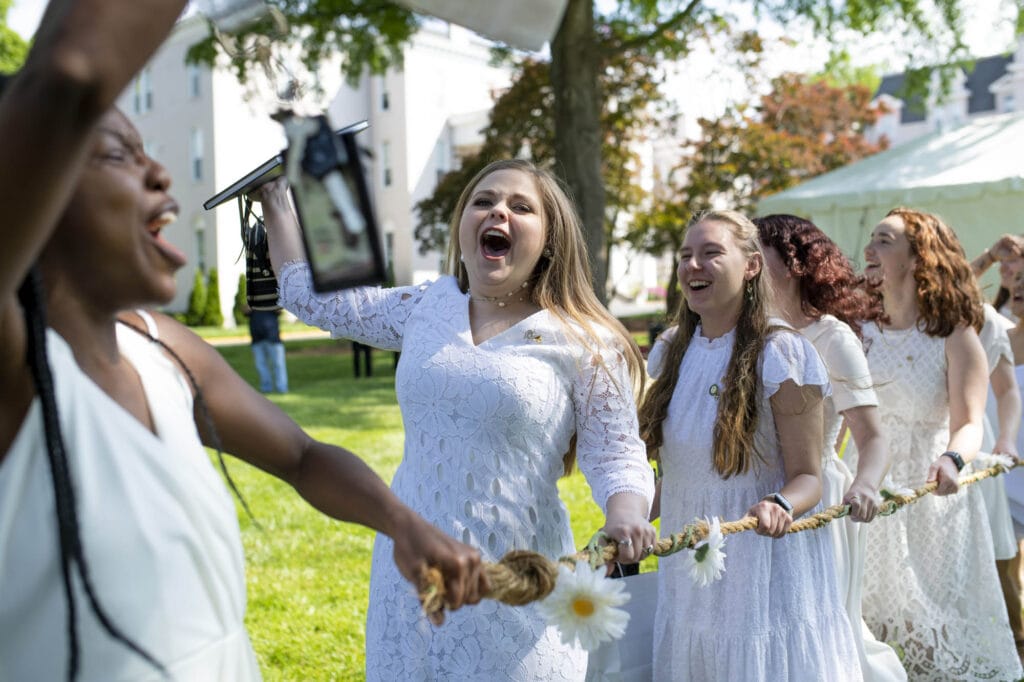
(501, 301)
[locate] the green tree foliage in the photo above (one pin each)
(366, 34)
(13, 47)
(196, 300)
(804, 127)
(240, 305)
(520, 125)
(212, 314)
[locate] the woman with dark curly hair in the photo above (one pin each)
(816, 290)
(930, 584)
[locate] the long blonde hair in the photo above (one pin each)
(736, 422)
(562, 282)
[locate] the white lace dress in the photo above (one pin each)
(930, 584)
(486, 427)
(776, 613)
(996, 342)
(843, 355)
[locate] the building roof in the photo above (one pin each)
(985, 72)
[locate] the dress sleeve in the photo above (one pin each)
(370, 315)
(848, 370)
(656, 357)
(790, 356)
(609, 450)
(994, 339)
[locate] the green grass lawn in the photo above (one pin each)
(308, 576)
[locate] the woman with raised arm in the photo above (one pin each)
(735, 418)
(120, 551)
(815, 289)
(510, 370)
(930, 585)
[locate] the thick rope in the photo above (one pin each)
(522, 576)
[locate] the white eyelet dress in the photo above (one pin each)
(486, 427)
(776, 612)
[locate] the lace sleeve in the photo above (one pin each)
(608, 446)
(370, 315)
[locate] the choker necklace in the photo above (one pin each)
(501, 301)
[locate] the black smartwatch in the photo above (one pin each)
(778, 499)
(957, 459)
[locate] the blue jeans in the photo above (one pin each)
(269, 357)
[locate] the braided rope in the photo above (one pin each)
(522, 576)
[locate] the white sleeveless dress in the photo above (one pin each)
(996, 343)
(158, 529)
(930, 583)
(776, 613)
(486, 427)
(843, 355)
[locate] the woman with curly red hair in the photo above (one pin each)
(815, 289)
(930, 585)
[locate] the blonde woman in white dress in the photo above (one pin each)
(510, 367)
(815, 289)
(930, 584)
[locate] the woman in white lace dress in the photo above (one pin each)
(930, 585)
(815, 289)
(509, 367)
(735, 416)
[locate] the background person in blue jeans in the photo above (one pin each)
(268, 351)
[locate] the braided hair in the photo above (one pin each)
(72, 559)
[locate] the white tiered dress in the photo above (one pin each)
(486, 427)
(843, 355)
(158, 529)
(776, 613)
(930, 583)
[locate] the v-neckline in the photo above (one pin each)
(156, 430)
(488, 340)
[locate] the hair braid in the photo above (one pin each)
(30, 294)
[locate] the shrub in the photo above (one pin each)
(238, 310)
(213, 316)
(196, 300)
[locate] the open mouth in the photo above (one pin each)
(494, 243)
(156, 226)
(698, 284)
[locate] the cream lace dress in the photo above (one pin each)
(843, 355)
(158, 530)
(930, 584)
(485, 430)
(776, 613)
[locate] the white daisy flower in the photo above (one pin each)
(707, 560)
(984, 460)
(583, 605)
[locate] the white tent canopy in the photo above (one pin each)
(973, 177)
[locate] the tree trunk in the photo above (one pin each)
(574, 76)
